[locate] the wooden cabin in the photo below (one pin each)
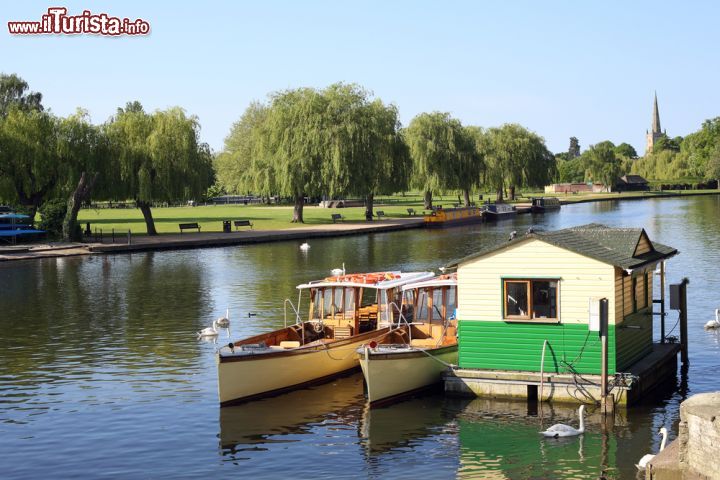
(541, 286)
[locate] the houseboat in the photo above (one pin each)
(448, 217)
(499, 211)
(544, 204)
(344, 312)
(527, 326)
(412, 357)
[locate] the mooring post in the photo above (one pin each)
(607, 403)
(129, 237)
(662, 302)
(683, 322)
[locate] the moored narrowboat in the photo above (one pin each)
(499, 211)
(448, 217)
(544, 204)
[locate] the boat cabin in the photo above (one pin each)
(347, 305)
(543, 286)
(429, 309)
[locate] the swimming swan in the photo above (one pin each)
(562, 430)
(714, 323)
(208, 331)
(646, 458)
(224, 322)
(305, 247)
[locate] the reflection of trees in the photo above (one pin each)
(66, 316)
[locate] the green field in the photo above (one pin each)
(278, 217)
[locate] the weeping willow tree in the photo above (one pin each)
(517, 158)
(441, 151)
(160, 157)
(29, 168)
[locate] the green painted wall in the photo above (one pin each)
(518, 346)
(634, 338)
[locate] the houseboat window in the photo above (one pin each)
(349, 301)
(408, 305)
(530, 299)
(437, 301)
(421, 314)
(451, 302)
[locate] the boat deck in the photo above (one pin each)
(641, 377)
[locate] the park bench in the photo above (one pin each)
(336, 216)
(242, 223)
(411, 212)
(380, 214)
(186, 226)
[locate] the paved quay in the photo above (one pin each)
(208, 239)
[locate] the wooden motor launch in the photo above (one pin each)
(344, 312)
(413, 356)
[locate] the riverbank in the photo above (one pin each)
(319, 224)
(208, 239)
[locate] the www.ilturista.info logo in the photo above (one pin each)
(58, 22)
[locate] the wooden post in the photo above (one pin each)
(607, 402)
(683, 322)
(662, 302)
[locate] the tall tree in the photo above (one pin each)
(14, 92)
(161, 157)
(574, 149)
(437, 144)
(83, 149)
(294, 146)
(604, 166)
(29, 168)
(626, 150)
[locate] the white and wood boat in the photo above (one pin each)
(345, 312)
(413, 356)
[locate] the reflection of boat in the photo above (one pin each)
(395, 427)
(293, 413)
(413, 356)
(345, 312)
(446, 217)
(543, 204)
(499, 211)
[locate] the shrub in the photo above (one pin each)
(53, 213)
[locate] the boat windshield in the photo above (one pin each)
(333, 302)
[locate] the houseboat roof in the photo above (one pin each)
(614, 246)
(378, 280)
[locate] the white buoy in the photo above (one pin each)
(646, 458)
(562, 430)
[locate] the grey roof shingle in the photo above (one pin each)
(614, 246)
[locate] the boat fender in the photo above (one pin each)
(318, 327)
(231, 346)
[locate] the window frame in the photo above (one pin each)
(529, 290)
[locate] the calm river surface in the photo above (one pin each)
(101, 374)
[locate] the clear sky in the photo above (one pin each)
(561, 69)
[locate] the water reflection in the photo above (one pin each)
(104, 351)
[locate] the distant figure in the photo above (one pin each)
(513, 234)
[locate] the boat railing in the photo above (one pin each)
(297, 313)
(401, 319)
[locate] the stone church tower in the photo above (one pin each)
(656, 133)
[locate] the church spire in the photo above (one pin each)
(656, 117)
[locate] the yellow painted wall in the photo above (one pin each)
(480, 286)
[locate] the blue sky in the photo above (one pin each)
(561, 69)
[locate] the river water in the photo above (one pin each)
(101, 374)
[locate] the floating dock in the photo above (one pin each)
(628, 388)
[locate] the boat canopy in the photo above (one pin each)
(376, 280)
(441, 281)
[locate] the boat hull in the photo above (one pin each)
(245, 378)
(392, 376)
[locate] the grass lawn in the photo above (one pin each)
(278, 217)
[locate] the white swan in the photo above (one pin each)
(224, 322)
(305, 247)
(714, 323)
(208, 331)
(646, 458)
(562, 430)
